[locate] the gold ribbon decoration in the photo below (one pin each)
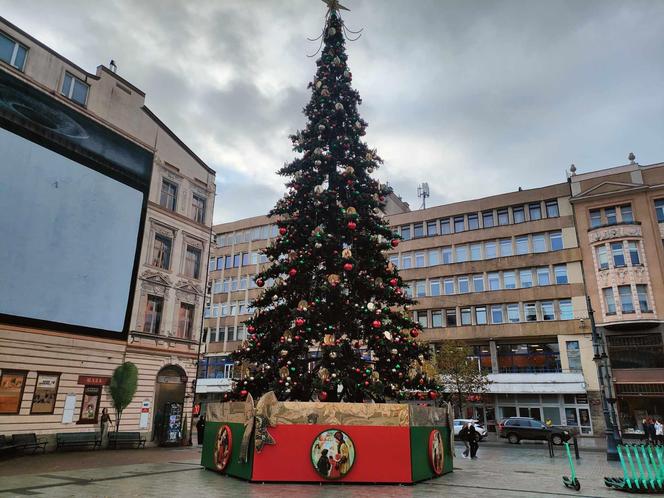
(257, 421)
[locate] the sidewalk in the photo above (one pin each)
(585, 443)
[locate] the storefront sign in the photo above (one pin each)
(87, 380)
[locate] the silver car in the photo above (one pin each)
(460, 422)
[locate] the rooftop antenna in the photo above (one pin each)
(423, 192)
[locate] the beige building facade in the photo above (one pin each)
(620, 221)
(71, 368)
(502, 273)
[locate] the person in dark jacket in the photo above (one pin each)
(473, 441)
(200, 427)
(463, 436)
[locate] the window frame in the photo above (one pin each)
(69, 94)
(198, 212)
(12, 59)
(165, 205)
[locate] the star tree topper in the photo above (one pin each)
(334, 5)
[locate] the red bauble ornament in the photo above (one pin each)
(352, 225)
(322, 395)
(395, 242)
(260, 282)
(244, 393)
(356, 345)
(376, 324)
(299, 321)
(292, 272)
(282, 230)
(349, 182)
(348, 266)
(414, 333)
(251, 329)
(433, 394)
(393, 282)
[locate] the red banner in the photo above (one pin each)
(91, 380)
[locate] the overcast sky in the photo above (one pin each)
(475, 97)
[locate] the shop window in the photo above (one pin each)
(90, 405)
(636, 350)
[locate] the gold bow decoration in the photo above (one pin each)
(257, 421)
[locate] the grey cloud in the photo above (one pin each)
(487, 96)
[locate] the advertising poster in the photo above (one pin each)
(46, 391)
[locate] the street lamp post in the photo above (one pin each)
(601, 359)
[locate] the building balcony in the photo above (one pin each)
(518, 330)
(615, 231)
(537, 383)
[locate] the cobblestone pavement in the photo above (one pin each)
(501, 471)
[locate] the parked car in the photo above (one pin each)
(460, 422)
(517, 428)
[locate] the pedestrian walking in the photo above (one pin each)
(473, 441)
(463, 436)
(200, 427)
(105, 422)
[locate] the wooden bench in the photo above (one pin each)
(125, 438)
(78, 440)
(28, 442)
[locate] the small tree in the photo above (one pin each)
(459, 373)
(123, 387)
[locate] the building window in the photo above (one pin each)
(436, 319)
(503, 217)
(522, 245)
(434, 257)
(518, 214)
(506, 247)
(213, 264)
(192, 265)
(447, 255)
(556, 240)
(480, 315)
(405, 232)
(475, 252)
(552, 209)
(494, 281)
(461, 253)
(459, 224)
(566, 311)
(463, 285)
(659, 210)
(169, 195)
(509, 280)
(161, 251)
(602, 257)
(595, 218)
(245, 259)
(478, 283)
(618, 254)
(530, 310)
(642, 293)
(535, 211)
(465, 316)
(487, 219)
(539, 243)
(513, 314)
(496, 314)
(573, 356)
(422, 319)
(406, 260)
(473, 222)
(547, 310)
(186, 321)
(626, 303)
(490, 250)
(419, 260)
(450, 318)
(418, 230)
(434, 287)
(394, 259)
(611, 217)
(526, 277)
(626, 213)
(228, 262)
(432, 228)
(75, 89)
(198, 208)
(448, 286)
(445, 227)
(421, 288)
(560, 272)
(12, 52)
(543, 276)
(153, 310)
(634, 253)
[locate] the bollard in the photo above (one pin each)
(576, 447)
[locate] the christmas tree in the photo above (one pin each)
(331, 322)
